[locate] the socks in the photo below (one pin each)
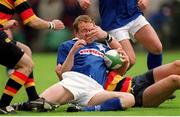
(153, 60)
(13, 85)
(30, 88)
(109, 105)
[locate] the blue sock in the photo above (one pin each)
(154, 60)
(109, 105)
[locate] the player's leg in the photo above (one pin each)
(167, 80)
(122, 35)
(13, 57)
(57, 94)
(166, 70)
(126, 99)
(146, 35)
(30, 84)
(160, 91)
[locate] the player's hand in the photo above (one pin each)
(11, 24)
(95, 34)
(79, 43)
(84, 3)
(142, 4)
(58, 71)
(124, 56)
(58, 24)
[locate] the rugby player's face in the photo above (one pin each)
(84, 29)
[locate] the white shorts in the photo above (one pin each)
(129, 30)
(81, 86)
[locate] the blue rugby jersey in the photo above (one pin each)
(117, 13)
(88, 60)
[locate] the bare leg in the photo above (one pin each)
(165, 70)
(149, 39)
(167, 80)
(26, 49)
(157, 93)
(127, 99)
(57, 94)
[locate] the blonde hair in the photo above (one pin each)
(81, 18)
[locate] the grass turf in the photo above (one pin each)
(45, 76)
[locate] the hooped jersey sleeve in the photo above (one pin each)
(24, 10)
(9, 7)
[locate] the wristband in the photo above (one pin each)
(51, 25)
(108, 38)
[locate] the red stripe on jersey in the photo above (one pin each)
(27, 14)
(126, 85)
(11, 2)
(5, 16)
(110, 77)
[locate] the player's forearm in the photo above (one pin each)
(114, 44)
(68, 63)
(38, 23)
(122, 70)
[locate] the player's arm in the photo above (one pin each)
(29, 18)
(58, 71)
(84, 3)
(142, 4)
(8, 24)
(39, 23)
(125, 59)
(69, 61)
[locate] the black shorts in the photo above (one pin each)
(139, 84)
(10, 54)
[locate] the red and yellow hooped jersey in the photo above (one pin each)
(21, 7)
(116, 82)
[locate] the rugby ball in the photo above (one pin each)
(113, 59)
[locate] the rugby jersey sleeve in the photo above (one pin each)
(24, 10)
(62, 53)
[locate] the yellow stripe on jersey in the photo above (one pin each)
(6, 4)
(114, 83)
(18, 2)
(29, 19)
(3, 21)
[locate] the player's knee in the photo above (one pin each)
(176, 63)
(157, 49)
(175, 80)
(128, 101)
(29, 67)
(28, 51)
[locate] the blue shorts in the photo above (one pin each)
(139, 84)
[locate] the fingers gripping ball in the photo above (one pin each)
(113, 59)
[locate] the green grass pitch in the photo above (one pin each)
(45, 76)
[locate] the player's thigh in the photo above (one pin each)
(149, 39)
(158, 92)
(10, 53)
(26, 49)
(57, 94)
(165, 70)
